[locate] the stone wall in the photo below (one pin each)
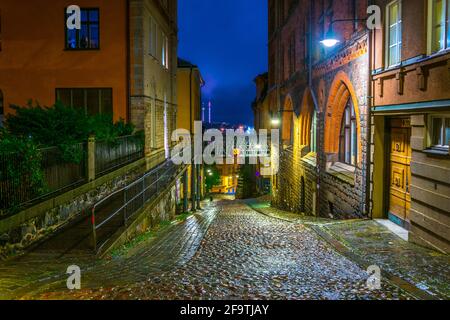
(32, 225)
(297, 177)
(430, 191)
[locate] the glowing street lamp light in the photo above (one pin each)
(330, 42)
(330, 39)
(275, 121)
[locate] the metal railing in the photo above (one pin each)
(130, 199)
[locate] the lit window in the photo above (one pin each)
(92, 101)
(88, 37)
(394, 33)
(439, 35)
(348, 142)
(152, 37)
(165, 51)
(313, 142)
(440, 132)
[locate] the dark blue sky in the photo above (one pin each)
(227, 39)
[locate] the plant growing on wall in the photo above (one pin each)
(20, 169)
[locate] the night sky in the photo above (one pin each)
(227, 39)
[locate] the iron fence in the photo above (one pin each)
(118, 153)
(18, 189)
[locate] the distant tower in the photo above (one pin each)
(209, 111)
(203, 112)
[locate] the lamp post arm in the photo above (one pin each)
(346, 20)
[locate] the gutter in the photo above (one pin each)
(128, 62)
(368, 211)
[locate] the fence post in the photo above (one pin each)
(91, 158)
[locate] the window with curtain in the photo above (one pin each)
(439, 24)
(348, 140)
(394, 33)
(88, 37)
(313, 142)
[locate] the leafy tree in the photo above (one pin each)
(248, 186)
(212, 177)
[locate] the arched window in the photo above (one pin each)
(313, 135)
(288, 122)
(348, 140)
(2, 110)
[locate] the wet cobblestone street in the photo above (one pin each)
(244, 255)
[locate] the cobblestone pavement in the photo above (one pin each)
(244, 255)
(41, 271)
(373, 244)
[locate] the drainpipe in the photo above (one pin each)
(128, 61)
(316, 105)
(368, 211)
(193, 171)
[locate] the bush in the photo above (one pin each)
(63, 127)
(20, 164)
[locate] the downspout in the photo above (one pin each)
(193, 171)
(128, 62)
(316, 105)
(368, 211)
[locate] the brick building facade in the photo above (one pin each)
(364, 124)
(310, 89)
(411, 119)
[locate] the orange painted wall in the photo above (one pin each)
(34, 62)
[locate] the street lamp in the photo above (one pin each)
(275, 121)
(330, 40)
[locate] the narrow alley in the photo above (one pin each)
(228, 251)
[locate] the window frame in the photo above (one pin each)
(85, 90)
(445, 24)
(350, 140)
(165, 50)
(66, 47)
(153, 37)
(313, 133)
(443, 137)
(399, 41)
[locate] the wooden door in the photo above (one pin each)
(400, 170)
